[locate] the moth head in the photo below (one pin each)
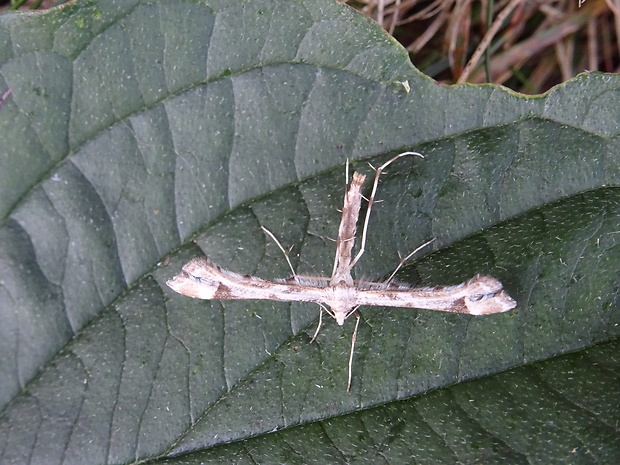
(341, 315)
(341, 300)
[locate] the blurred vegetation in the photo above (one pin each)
(528, 46)
(28, 4)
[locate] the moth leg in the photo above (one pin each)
(371, 201)
(271, 235)
(403, 260)
(353, 338)
(316, 333)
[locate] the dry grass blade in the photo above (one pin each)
(530, 46)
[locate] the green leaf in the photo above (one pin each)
(137, 135)
(559, 411)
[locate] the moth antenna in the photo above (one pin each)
(346, 173)
(371, 201)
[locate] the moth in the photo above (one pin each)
(340, 296)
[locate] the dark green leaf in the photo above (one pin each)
(138, 135)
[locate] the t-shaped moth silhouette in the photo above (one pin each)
(340, 296)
